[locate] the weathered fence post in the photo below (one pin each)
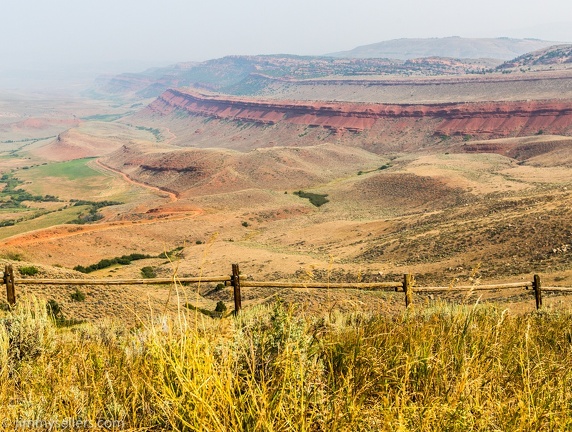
(408, 289)
(10, 287)
(537, 286)
(235, 281)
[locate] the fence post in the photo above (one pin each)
(235, 281)
(408, 289)
(536, 284)
(10, 287)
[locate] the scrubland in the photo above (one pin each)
(438, 367)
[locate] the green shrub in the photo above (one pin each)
(148, 272)
(245, 224)
(108, 262)
(54, 309)
(220, 307)
(316, 199)
(77, 295)
(174, 253)
(28, 271)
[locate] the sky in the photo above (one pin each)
(88, 36)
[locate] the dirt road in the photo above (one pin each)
(172, 195)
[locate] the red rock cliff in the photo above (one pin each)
(500, 119)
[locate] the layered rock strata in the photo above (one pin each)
(481, 118)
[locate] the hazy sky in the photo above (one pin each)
(59, 33)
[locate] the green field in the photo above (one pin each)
(45, 221)
(74, 179)
(71, 170)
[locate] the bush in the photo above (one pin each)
(148, 272)
(220, 307)
(174, 253)
(316, 199)
(77, 295)
(245, 224)
(54, 309)
(108, 262)
(28, 271)
(26, 333)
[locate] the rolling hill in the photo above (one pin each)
(454, 47)
(551, 56)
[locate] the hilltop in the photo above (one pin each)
(556, 55)
(455, 47)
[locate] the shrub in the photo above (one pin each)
(108, 262)
(220, 307)
(28, 271)
(148, 272)
(245, 224)
(316, 199)
(54, 309)
(174, 253)
(77, 295)
(28, 333)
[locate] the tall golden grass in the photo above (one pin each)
(271, 369)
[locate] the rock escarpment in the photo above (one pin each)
(492, 119)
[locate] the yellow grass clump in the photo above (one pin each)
(272, 369)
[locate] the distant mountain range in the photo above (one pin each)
(454, 47)
(247, 75)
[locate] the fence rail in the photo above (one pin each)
(323, 285)
(152, 281)
(406, 285)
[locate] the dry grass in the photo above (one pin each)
(442, 368)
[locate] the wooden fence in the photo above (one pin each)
(406, 285)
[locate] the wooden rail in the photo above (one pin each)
(153, 281)
(476, 287)
(407, 285)
(323, 285)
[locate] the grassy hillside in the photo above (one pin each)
(442, 368)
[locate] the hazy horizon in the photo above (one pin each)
(68, 40)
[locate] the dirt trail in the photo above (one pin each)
(64, 231)
(172, 195)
